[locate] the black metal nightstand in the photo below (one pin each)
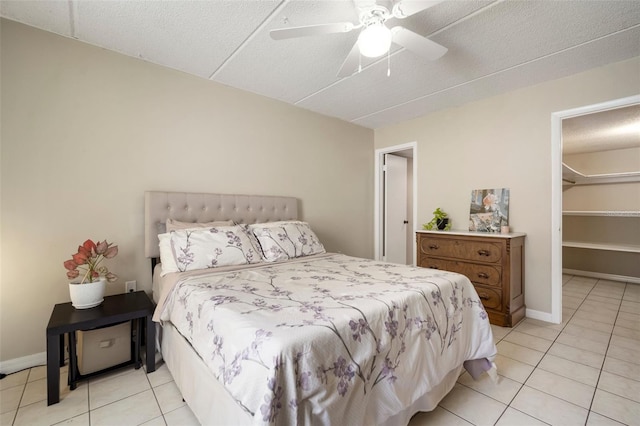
(113, 310)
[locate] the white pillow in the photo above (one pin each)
(166, 255)
(214, 247)
(286, 240)
(174, 225)
(280, 223)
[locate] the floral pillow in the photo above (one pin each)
(286, 240)
(211, 248)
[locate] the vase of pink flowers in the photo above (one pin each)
(88, 276)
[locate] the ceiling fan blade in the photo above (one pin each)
(351, 62)
(311, 30)
(417, 44)
(405, 8)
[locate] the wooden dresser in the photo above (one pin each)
(494, 263)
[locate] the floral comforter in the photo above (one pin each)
(315, 341)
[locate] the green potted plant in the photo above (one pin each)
(440, 221)
(88, 291)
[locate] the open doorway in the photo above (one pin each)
(395, 203)
(557, 190)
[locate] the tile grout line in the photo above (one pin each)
(488, 396)
(538, 363)
(112, 402)
(605, 360)
(89, 400)
(451, 412)
(153, 390)
(522, 385)
(611, 334)
(508, 405)
(24, 389)
(535, 367)
(547, 352)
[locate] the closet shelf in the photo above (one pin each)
(573, 177)
(602, 246)
(604, 213)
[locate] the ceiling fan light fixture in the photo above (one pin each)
(374, 40)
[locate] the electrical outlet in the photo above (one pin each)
(130, 286)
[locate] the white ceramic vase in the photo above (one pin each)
(87, 295)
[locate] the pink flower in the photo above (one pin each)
(101, 247)
(80, 258)
(70, 265)
(88, 258)
(111, 252)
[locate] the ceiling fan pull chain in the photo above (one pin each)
(388, 62)
(359, 63)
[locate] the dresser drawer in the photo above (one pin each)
(477, 251)
(477, 273)
(490, 296)
(493, 263)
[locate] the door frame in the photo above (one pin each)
(556, 192)
(378, 208)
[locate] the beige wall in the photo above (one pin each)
(610, 161)
(615, 196)
(86, 131)
(618, 196)
(505, 141)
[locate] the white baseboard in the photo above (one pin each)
(610, 277)
(17, 364)
(539, 315)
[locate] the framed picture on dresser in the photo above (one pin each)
(489, 209)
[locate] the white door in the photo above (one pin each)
(395, 209)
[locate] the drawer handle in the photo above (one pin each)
(484, 296)
(434, 247)
(433, 267)
(483, 252)
(482, 275)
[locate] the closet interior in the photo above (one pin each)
(601, 194)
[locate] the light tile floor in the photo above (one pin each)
(585, 371)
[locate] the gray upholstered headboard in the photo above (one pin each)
(200, 207)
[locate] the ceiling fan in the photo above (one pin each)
(375, 37)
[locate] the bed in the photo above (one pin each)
(307, 337)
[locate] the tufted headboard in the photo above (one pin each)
(200, 207)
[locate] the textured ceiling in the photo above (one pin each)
(607, 130)
(494, 47)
